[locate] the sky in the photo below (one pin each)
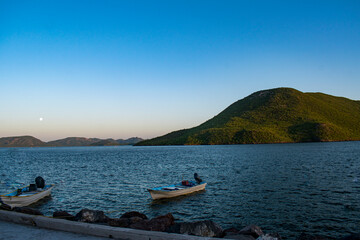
(120, 69)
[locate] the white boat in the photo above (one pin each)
(176, 189)
(23, 197)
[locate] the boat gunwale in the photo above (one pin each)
(159, 189)
(163, 194)
(47, 189)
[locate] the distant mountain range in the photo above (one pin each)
(278, 115)
(29, 141)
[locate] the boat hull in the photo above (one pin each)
(159, 194)
(22, 201)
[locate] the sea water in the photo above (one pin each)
(284, 188)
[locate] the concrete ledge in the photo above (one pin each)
(92, 229)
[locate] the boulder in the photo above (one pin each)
(27, 210)
(252, 230)
(119, 222)
(231, 231)
(63, 215)
(270, 236)
(239, 237)
(355, 236)
(142, 224)
(304, 236)
(91, 216)
(134, 220)
(201, 228)
(134, 214)
(160, 223)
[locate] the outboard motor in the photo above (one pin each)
(40, 182)
(197, 178)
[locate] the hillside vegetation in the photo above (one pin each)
(275, 116)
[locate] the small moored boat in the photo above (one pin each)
(27, 195)
(175, 190)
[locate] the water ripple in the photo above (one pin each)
(285, 188)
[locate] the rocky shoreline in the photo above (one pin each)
(166, 223)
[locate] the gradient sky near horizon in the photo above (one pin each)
(118, 69)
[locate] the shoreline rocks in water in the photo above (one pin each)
(91, 216)
(134, 214)
(166, 223)
(252, 230)
(205, 228)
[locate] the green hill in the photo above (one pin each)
(274, 116)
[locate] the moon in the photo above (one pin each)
(41, 119)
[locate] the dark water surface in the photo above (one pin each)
(285, 188)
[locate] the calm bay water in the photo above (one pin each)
(285, 188)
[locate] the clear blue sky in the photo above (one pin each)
(144, 68)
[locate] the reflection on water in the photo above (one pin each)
(285, 188)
